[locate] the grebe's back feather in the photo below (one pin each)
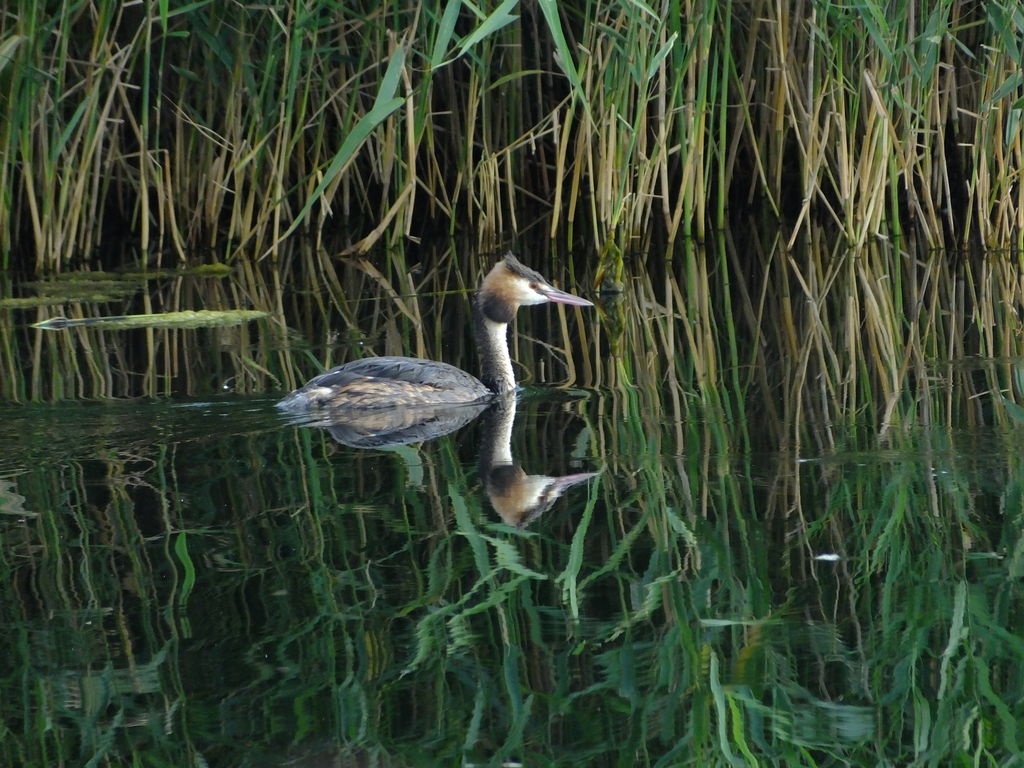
(383, 382)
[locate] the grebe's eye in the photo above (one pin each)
(534, 286)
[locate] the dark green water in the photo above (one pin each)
(754, 578)
(201, 584)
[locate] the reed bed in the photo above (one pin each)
(222, 130)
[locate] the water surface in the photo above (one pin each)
(796, 560)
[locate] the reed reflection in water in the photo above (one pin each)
(804, 547)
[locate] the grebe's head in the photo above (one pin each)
(511, 284)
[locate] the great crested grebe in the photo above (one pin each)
(388, 382)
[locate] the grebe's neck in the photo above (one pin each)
(492, 346)
(496, 438)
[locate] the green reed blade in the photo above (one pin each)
(189, 579)
(445, 33)
(499, 18)
(565, 59)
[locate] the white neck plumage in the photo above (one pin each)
(495, 361)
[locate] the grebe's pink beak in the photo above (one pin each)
(561, 297)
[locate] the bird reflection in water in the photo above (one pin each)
(398, 425)
(517, 497)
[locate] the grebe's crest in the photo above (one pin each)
(517, 267)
